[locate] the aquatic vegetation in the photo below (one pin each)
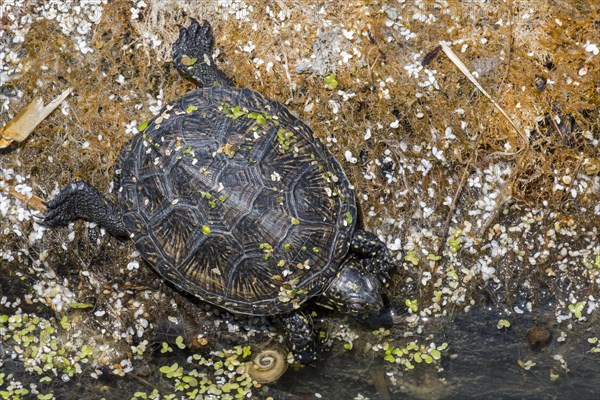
(41, 347)
(503, 323)
(412, 353)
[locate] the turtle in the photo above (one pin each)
(232, 199)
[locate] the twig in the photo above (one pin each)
(378, 378)
(144, 382)
(510, 44)
(287, 71)
(34, 202)
(463, 68)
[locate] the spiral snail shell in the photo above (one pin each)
(267, 365)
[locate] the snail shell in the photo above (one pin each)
(267, 365)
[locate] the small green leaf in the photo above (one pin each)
(247, 351)
(191, 108)
(142, 127)
(455, 244)
(190, 380)
(64, 322)
(237, 112)
(503, 323)
(412, 258)
(526, 365)
(228, 387)
(348, 217)
(295, 221)
(179, 342)
(227, 110)
(86, 351)
(330, 80)
(260, 119)
(81, 305)
(206, 229)
(173, 370)
(165, 369)
(577, 308)
(412, 305)
(166, 348)
(594, 350)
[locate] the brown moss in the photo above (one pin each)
(515, 64)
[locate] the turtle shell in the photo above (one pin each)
(231, 198)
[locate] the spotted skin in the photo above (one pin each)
(377, 257)
(300, 335)
(354, 291)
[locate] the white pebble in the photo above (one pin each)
(349, 157)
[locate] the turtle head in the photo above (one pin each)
(354, 291)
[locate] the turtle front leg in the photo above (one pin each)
(301, 336)
(79, 200)
(372, 251)
(192, 55)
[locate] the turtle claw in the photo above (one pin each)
(60, 211)
(39, 219)
(195, 43)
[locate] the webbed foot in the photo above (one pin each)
(192, 55)
(79, 200)
(372, 251)
(301, 336)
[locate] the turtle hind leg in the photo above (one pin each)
(79, 200)
(372, 251)
(301, 336)
(192, 55)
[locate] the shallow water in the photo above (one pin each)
(480, 363)
(483, 365)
